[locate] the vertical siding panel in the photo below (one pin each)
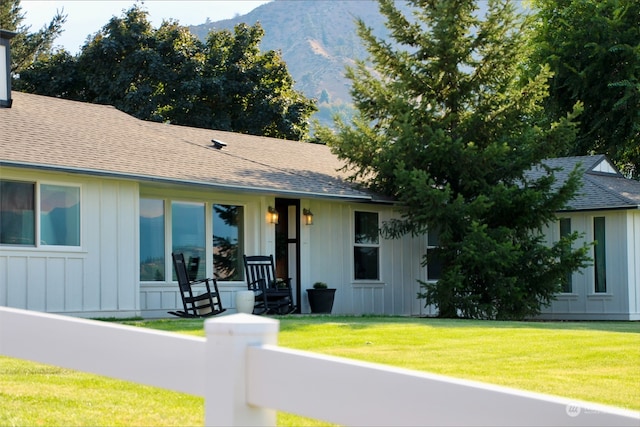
(36, 284)
(108, 248)
(55, 279)
(396, 272)
(617, 261)
(634, 264)
(91, 243)
(343, 257)
(75, 292)
(4, 277)
(127, 250)
(152, 300)
(17, 273)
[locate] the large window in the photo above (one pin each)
(17, 213)
(59, 215)
(227, 242)
(152, 255)
(58, 211)
(188, 233)
(565, 231)
(599, 255)
(366, 250)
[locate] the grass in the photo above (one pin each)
(592, 361)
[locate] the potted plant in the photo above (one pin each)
(321, 298)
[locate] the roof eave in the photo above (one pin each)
(601, 208)
(172, 181)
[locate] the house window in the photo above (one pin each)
(434, 263)
(599, 255)
(228, 233)
(565, 231)
(58, 211)
(17, 213)
(188, 233)
(366, 251)
(152, 255)
(59, 215)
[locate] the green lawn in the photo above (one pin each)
(592, 361)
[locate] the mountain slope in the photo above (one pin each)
(317, 39)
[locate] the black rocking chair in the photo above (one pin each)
(204, 305)
(273, 295)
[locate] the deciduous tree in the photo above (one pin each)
(168, 75)
(593, 50)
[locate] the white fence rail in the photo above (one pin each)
(244, 377)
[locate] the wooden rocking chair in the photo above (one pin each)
(203, 305)
(272, 295)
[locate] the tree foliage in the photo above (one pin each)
(593, 50)
(168, 75)
(446, 126)
(28, 47)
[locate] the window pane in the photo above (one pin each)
(59, 215)
(565, 230)
(17, 215)
(188, 232)
(433, 237)
(151, 240)
(599, 254)
(434, 265)
(366, 263)
(366, 227)
(228, 235)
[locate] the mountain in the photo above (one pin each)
(317, 39)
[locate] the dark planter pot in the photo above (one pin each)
(321, 300)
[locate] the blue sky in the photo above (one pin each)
(86, 17)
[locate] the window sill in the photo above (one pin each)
(367, 283)
(567, 295)
(602, 296)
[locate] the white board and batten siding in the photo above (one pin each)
(329, 254)
(621, 301)
(96, 279)
(633, 255)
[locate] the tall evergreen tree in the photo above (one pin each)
(445, 125)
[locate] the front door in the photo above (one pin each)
(288, 244)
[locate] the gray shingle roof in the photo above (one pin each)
(53, 133)
(600, 190)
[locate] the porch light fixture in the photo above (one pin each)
(308, 216)
(272, 215)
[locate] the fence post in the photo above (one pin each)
(225, 390)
